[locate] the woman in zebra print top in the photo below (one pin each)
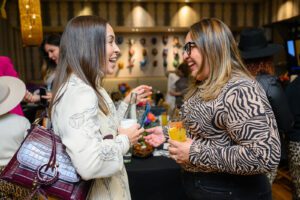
(232, 133)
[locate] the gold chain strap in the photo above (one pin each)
(9, 191)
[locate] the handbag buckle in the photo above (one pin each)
(45, 179)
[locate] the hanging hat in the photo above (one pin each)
(12, 91)
(253, 44)
(144, 52)
(121, 65)
(165, 39)
(119, 40)
(153, 40)
(154, 51)
(143, 41)
(154, 63)
(131, 41)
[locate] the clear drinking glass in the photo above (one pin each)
(177, 131)
(127, 123)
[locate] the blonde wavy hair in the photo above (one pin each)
(220, 52)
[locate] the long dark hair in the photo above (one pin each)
(82, 52)
(53, 39)
(49, 68)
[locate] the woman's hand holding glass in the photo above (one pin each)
(134, 133)
(179, 151)
(155, 137)
(177, 131)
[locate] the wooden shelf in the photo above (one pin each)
(138, 30)
(158, 1)
(123, 29)
(157, 29)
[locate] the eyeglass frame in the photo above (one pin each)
(188, 47)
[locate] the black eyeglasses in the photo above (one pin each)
(188, 47)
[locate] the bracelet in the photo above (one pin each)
(165, 130)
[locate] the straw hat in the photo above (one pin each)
(12, 91)
(253, 44)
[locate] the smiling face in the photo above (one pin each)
(52, 51)
(194, 59)
(112, 50)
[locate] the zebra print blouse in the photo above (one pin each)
(234, 133)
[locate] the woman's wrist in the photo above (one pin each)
(122, 138)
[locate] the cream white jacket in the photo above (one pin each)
(13, 130)
(82, 127)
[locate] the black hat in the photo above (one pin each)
(253, 44)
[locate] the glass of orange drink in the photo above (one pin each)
(177, 131)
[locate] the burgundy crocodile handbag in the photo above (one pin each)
(42, 164)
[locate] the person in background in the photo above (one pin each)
(13, 130)
(84, 115)
(293, 95)
(7, 69)
(232, 133)
(117, 98)
(258, 57)
(50, 52)
(172, 78)
(181, 85)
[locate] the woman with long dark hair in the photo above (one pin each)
(50, 52)
(82, 112)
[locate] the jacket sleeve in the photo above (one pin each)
(280, 106)
(79, 128)
(249, 123)
(7, 67)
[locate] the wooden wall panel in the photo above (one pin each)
(11, 46)
(174, 17)
(151, 11)
(159, 10)
(205, 10)
(197, 8)
(227, 13)
(53, 15)
(249, 15)
(274, 11)
(28, 64)
(240, 15)
(218, 7)
(64, 15)
(159, 14)
(277, 10)
(112, 13)
(56, 14)
(103, 11)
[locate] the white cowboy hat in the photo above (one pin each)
(12, 91)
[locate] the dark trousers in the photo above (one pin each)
(223, 186)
